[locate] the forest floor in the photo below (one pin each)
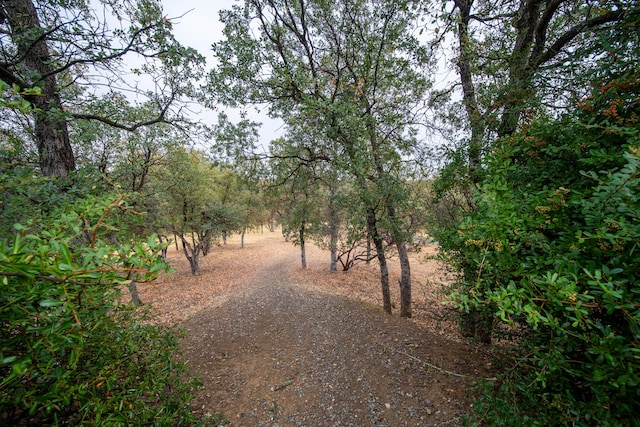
(276, 345)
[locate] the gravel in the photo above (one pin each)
(277, 353)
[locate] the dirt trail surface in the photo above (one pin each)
(279, 346)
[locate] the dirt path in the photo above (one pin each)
(274, 352)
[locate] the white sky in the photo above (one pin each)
(199, 28)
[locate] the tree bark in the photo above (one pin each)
(163, 252)
(405, 280)
(205, 241)
(372, 225)
(333, 229)
(381, 181)
(133, 290)
(532, 50)
(374, 235)
(192, 253)
(303, 254)
(468, 323)
(477, 324)
(468, 90)
(405, 266)
(405, 269)
(133, 284)
(51, 132)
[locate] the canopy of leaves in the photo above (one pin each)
(549, 249)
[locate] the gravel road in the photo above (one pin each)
(278, 354)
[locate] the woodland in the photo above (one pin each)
(507, 132)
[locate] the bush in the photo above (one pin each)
(552, 251)
(71, 352)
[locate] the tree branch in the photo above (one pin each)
(540, 32)
(116, 54)
(160, 119)
(573, 32)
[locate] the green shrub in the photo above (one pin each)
(552, 250)
(71, 352)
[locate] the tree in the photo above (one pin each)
(186, 185)
(345, 234)
(123, 157)
(66, 51)
(555, 235)
(351, 70)
(66, 255)
(251, 206)
(513, 57)
(515, 60)
(183, 183)
(295, 183)
(240, 195)
(550, 249)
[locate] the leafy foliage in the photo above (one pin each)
(70, 351)
(551, 250)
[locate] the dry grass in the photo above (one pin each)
(178, 296)
(362, 282)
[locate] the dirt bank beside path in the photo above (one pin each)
(273, 350)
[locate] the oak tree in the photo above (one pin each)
(354, 71)
(64, 57)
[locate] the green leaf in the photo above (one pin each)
(9, 359)
(50, 303)
(66, 254)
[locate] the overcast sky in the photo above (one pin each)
(198, 28)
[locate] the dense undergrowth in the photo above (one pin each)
(72, 353)
(549, 251)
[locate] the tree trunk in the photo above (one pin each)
(382, 259)
(133, 290)
(303, 254)
(334, 227)
(192, 253)
(205, 243)
(374, 235)
(477, 324)
(383, 184)
(469, 324)
(405, 280)
(163, 252)
(469, 99)
(405, 267)
(51, 131)
(242, 238)
(333, 264)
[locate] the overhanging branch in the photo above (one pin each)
(573, 32)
